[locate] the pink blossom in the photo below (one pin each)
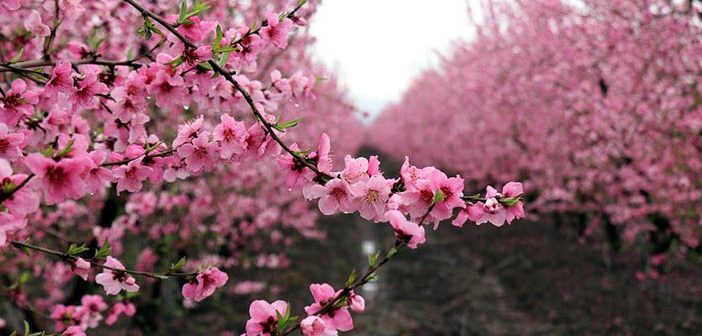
(204, 284)
(321, 156)
(17, 102)
(98, 177)
(356, 302)
(10, 143)
(116, 281)
(58, 180)
(61, 80)
(334, 196)
(73, 331)
(231, 136)
(315, 326)
(276, 30)
(188, 131)
(168, 90)
(120, 308)
(492, 210)
(85, 94)
(23, 201)
(199, 155)
(64, 316)
(131, 177)
(264, 317)
(339, 319)
(90, 310)
(298, 174)
(406, 231)
(35, 26)
(81, 268)
(373, 196)
(355, 170)
(12, 4)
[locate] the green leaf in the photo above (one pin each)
(185, 13)
(178, 265)
(18, 56)
(510, 201)
(74, 249)
(160, 276)
(373, 259)
(26, 327)
(301, 2)
(218, 38)
(438, 196)
(392, 252)
(351, 279)
(104, 251)
(288, 124)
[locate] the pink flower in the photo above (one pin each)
(264, 317)
(10, 144)
(298, 173)
(23, 201)
(199, 155)
(119, 308)
(373, 196)
(73, 331)
(35, 26)
(339, 319)
(115, 281)
(64, 316)
(12, 5)
(452, 190)
(324, 161)
(204, 284)
(17, 102)
(493, 210)
(168, 90)
(85, 95)
(406, 231)
(513, 190)
(315, 326)
(61, 80)
(276, 30)
(355, 170)
(58, 180)
(231, 136)
(131, 177)
(334, 196)
(98, 177)
(357, 303)
(188, 131)
(81, 268)
(90, 309)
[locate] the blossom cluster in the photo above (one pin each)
(595, 106)
(123, 122)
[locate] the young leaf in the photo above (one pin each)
(178, 265)
(18, 56)
(351, 278)
(104, 251)
(373, 259)
(288, 124)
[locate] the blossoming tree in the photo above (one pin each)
(595, 104)
(176, 123)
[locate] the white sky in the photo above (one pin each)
(378, 46)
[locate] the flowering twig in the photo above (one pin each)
(228, 76)
(72, 259)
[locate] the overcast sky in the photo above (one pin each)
(378, 46)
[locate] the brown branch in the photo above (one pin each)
(72, 259)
